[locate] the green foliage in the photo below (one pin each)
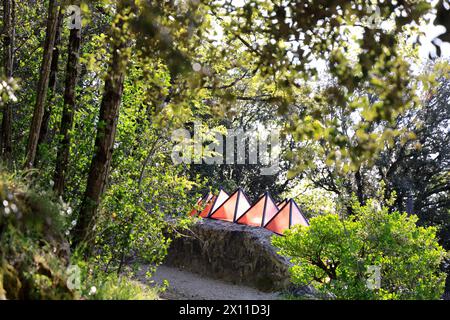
(221, 63)
(334, 255)
(313, 201)
(35, 255)
(148, 196)
(33, 249)
(95, 284)
(414, 164)
(285, 45)
(115, 288)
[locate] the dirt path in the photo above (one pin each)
(187, 285)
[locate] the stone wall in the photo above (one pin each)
(232, 252)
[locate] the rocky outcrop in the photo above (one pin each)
(232, 252)
(34, 252)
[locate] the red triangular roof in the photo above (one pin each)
(200, 203)
(282, 203)
(214, 203)
(233, 208)
(288, 216)
(261, 212)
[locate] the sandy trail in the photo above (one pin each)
(187, 285)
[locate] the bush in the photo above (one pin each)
(113, 287)
(122, 289)
(33, 250)
(339, 255)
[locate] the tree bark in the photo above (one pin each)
(8, 64)
(52, 82)
(359, 187)
(42, 84)
(62, 158)
(104, 141)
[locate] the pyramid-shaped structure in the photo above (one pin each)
(201, 202)
(214, 203)
(282, 203)
(288, 216)
(233, 208)
(237, 208)
(261, 212)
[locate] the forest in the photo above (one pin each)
(116, 118)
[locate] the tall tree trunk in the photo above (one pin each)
(42, 87)
(52, 82)
(8, 61)
(62, 158)
(359, 187)
(106, 131)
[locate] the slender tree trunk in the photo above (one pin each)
(42, 87)
(8, 61)
(62, 158)
(106, 131)
(359, 187)
(52, 82)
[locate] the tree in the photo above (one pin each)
(8, 64)
(52, 20)
(151, 26)
(414, 163)
(417, 170)
(107, 124)
(52, 82)
(67, 117)
(249, 117)
(286, 42)
(337, 255)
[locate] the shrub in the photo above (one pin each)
(113, 287)
(336, 255)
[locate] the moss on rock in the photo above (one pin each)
(33, 251)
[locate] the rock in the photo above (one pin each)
(232, 252)
(10, 284)
(302, 292)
